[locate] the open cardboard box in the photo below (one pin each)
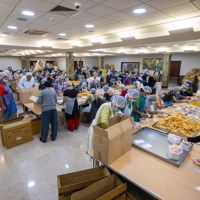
(106, 189)
(35, 123)
(26, 93)
(113, 142)
(72, 182)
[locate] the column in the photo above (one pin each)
(100, 62)
(25, 63)
(70, 64)
(166, 70)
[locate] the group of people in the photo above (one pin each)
(137, 96)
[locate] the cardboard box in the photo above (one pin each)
(36, 126)
(113, 142)
(16, 133)
(35, 123)
(72, 182)
(26, 93)
(106, 189)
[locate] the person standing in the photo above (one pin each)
(72, 113)
(9, 72)
(48, 99)
(27, 81)
(7, 101)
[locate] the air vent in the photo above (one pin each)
(64, 11)
(21, 19)
(61, 39)
(35, 32)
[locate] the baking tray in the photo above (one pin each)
(169, 131)
(155, 143)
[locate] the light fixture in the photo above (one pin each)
(175, 45)
(62, 34)
(3, 35)
(89, 26)
(67, 166)
(28, 13)
(31, 184)
(12, 27)
(139, 11)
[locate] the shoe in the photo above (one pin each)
(70, 130)
(76, 128)
(42, 140)
(53, 139)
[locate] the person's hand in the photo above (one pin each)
(33, 85)
(144, 115)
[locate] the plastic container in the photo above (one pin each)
(143, 120)
(174, 155)
(173, 139)
(185, 145)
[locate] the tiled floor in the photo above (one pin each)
(29, 171)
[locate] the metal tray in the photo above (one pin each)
(169, 131)
(155, 143)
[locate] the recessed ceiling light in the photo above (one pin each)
(28, 13)
(139, 11)
(89, 26)
(62, 34)
(176, 45)
(12, 27)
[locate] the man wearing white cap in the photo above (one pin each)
(27, 81)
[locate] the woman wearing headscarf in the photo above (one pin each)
(106, 95)
(106, 111)
(123, 90)
(72, 113)
(139, 110)
(130, 98)
(7, 101)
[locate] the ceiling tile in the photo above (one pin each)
(161, 4)
(99, 1)
(15, 2)
(84, 17)
(72, 22)
(118, 5)
(54, 1)
(101, 11)
(103, 21)
(36, 5)
(85, 4)
(181, 9)
(119, 16)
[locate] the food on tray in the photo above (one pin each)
(195, 103)
(175, 148)
(174, 139)
(179, 123)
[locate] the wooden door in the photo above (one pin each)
(175, 68)
(75, 64)
(80, 63)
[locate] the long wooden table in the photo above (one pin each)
(158, 178)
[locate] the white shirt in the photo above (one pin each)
(24, 83)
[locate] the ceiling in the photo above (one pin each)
(166, 26)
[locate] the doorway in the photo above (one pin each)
(174, 72)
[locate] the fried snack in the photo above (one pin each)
(195, 103)
(179, 123)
